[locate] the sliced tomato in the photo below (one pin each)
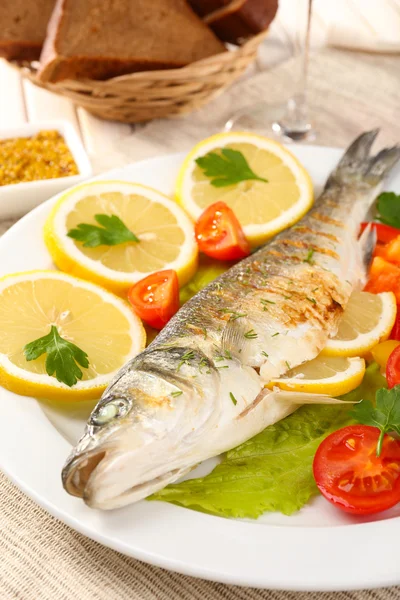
(219, 234)
(395, 333)
(384, 277)
(391, 251)
(349, 474)
(384, 233)
(393, 368)
(380, 250)
(156, 298)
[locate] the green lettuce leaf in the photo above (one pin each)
(273, 470)
(371, 383)
(208, 270)
(270, 472)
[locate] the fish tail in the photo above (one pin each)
(358, 166)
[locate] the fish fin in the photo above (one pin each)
(366, 245)
(380, 165)
(357, 164)
(233, 338)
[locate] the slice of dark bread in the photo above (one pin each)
(205, 7)
(23, 26)
(99, 39)
(236, 20)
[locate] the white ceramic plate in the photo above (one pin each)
(319, 548)
(19, 198)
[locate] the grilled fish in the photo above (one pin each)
(198, 389)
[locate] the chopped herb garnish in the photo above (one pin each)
(314, 290)
(224, 355)
(176, 394)
(204, 330)
(223, 367)
(264, 353)
(63, 357)
(227, 168)
(203, 363)
(185, 359)
(233, 314)
(287, 364)
(313, 300)
(309, 257)
(112, 232)
(233, 398)
(264, 301)
(251, 334)
(275, 334)
(287, 297)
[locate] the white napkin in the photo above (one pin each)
(370, 25)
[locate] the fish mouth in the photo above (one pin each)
(78, 470)
(81, 474)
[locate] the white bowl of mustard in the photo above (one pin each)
(36, 163)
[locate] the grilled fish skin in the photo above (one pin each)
(198, 389)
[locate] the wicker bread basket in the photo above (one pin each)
(154, 94)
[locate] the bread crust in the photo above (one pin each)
(56, 65)
(23, 28)
(236, 20)
(19, 50)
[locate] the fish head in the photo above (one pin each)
(141, 433)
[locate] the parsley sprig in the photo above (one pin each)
(385, 414)
(388, 207)
(227, 168)
(62, 357)
(113, 231)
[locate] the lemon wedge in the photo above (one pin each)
(99, 323)
(263, 208)
(165, 235)
(367, 320)
(331, 375)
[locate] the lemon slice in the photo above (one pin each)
(99, 323)
(166, 235)
(367, 320)
(332, 375)
(263, 209)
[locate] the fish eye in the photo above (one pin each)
(107, 410)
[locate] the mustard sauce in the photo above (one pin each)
(42, 156)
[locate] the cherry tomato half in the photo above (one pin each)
(393, 368)
(384, 277)
(219, 234)
(384, 233)
(156, 298)
(350, 475)
(395, 333)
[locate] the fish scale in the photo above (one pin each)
(199, 388)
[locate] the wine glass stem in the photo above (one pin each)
(295, 123)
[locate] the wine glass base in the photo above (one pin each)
(269, 120)
(289, 134)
